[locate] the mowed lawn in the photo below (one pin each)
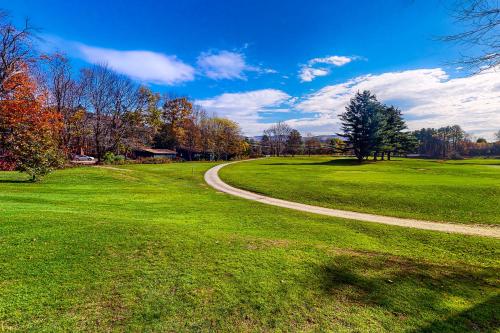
(465, 191)
(152, 248)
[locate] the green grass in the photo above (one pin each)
(466, 191)
(155, 249)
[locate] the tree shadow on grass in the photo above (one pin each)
(334, 162)
(496, 163)
(406, 288)
(491, 161)
(15, 181)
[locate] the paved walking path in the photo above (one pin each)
(212, 179)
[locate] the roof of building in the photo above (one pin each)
(159, 151)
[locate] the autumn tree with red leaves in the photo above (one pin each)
(28, 130)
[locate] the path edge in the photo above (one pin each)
(213, 180)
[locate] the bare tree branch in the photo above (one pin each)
(16, 49)
(481, 21)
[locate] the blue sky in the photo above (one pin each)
(262, 61)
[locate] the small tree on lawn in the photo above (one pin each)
(265, 143)
(312, 145)
(294, 142)
(29, 131)
(278, 136)
(338, 146)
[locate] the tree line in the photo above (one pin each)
(453, 142)
(371, 128)
(281, 139)
(49, 112)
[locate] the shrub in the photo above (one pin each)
(120, 159)
(109, 158)
(37, 160)
(456, 156)
(152, 160)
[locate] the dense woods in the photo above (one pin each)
(116, 115)
(453, 142)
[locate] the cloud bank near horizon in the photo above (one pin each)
(427, 97)
(247, 108)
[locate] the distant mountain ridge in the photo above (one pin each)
(321, 138)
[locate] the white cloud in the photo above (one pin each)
(154, 67)
(227, 65)
(144, 66)
(246, 107)
(332, 60)
(269, 71)
(309, 72)
(222, 65)
(428, 98)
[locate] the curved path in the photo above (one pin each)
(212, 179)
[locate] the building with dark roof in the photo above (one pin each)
(155, 153)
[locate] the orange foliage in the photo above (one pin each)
(23, 106)
(28, 130)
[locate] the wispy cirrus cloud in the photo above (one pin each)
(310, 71)
(332, 60)
(307, 73)
(227, 65)
(223, 65)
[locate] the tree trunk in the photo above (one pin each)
(382, 156)
(98, 148)
(359, 156)
(388, 155)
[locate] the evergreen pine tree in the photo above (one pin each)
(361, 124)
(393, 136)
